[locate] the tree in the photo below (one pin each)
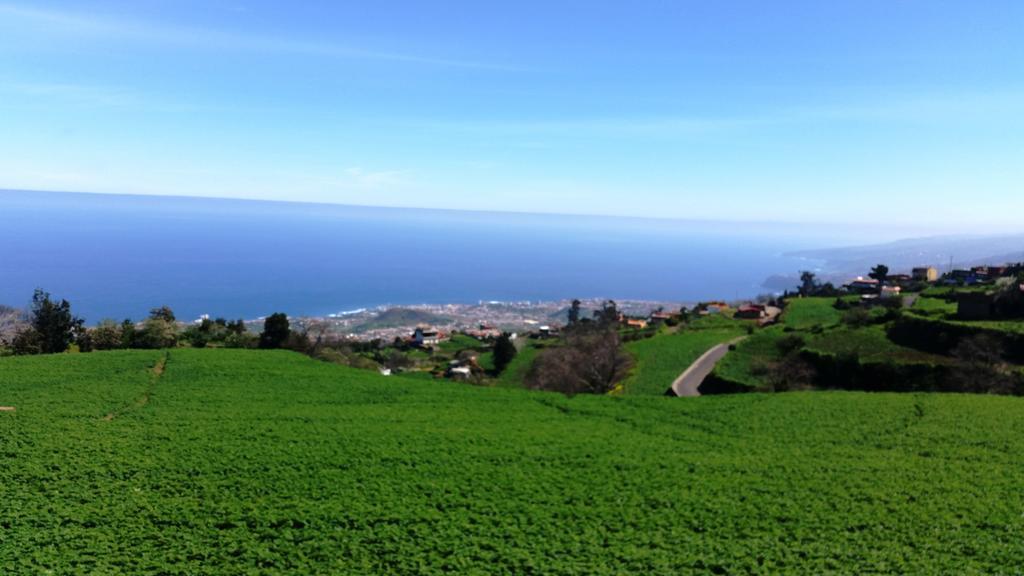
(808, 283)
(162, 313)
(880, 273)
(982, 366)
(52, 327)
(504, 352)
(157, 333)
(396, 361)
(128, 334)
(574, 312)
(275, 331)
(608, 314)
(590, 360)
(237, 327)
(684, 315)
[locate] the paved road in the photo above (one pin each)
(687, 382)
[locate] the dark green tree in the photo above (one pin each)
(574, 312)
(128, 334)
(162, 313)
(608, 314)
(880, 272)
(53, 328)
(236, 327)
(808, 283)
(504, 352)
(275, 331)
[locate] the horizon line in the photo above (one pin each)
(592, 215)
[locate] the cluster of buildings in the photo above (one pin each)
(971, 305)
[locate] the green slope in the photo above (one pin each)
(661, 359)
(249, 462)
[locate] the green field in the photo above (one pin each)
(250, 462)
(806, 313)
(869, 344)
(937, 307)
(741, 365)
(661, 359)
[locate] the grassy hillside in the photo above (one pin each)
(661, 359)
(742, 365)
(806, 313)
(252, 462)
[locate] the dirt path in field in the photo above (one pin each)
(688, 382)
(155, 373)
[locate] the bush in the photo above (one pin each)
(857, 317)
(589, 360)
(157, 333)
(789, 343)
(241, 340)
(107, 336)
(27, 341)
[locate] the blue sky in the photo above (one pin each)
(897, 112)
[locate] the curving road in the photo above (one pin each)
(687, 382)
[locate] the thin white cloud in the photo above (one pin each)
(936, 107)
(105, 27)
(78, 93)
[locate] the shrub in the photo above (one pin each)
(857, 317)
(789, 343)
(157, 333)
(590, 360)
(243, 340)
(107, 336)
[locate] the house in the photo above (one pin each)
(965, 277)
(899, 279)
(461, 369)
(925, 274)
(989, 271)
(659, 317)
(974, 305)
(713, 307)
(890, 291)
(459, 372)
(425, 337)
(750, 312)
(637, 323)
(864, 285)
(547, 332)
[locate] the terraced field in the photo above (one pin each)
(249, 462)
(661, 359)
(806, 313)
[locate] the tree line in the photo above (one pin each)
(52, 328)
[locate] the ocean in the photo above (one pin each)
(117, 256)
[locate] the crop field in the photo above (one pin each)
(251, 462)
(870, 344)
(740, 366)
(659, 360)
(937, 307)
(805, 313)
(514, 375)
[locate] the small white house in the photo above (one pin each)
(424, 336)
(890, 291)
